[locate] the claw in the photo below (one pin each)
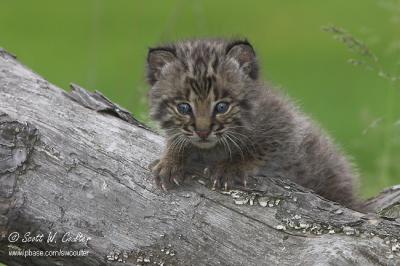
(164, 187)
(176, 181)
(214, 187)
(226, 186)
(153, 165)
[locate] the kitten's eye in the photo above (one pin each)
(221, 107)
(184, 108)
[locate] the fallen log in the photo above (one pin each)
(74, 180)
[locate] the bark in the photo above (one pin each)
(77, 163)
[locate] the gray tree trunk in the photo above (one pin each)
(76, 165)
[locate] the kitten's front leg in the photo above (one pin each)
(228, 174)
(168, 170)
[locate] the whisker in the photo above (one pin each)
(249, 140)
(182, 145)
(246, 127)
(173, 144)
(239, 140)
(228, 147)
(237, 145)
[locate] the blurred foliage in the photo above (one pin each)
(103, 44)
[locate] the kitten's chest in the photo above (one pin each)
(204, 158)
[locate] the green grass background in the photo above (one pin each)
(102, 45)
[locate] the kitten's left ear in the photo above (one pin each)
(244, 54)
(157, 58)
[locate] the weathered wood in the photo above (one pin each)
(77, 163)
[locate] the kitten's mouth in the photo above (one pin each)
(204, 143)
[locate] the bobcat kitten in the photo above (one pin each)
(207, 96)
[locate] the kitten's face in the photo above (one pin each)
(201, 93)
(202, 119)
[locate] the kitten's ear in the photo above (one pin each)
(157, 58)
(244, 54)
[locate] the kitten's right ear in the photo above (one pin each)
(157, 59)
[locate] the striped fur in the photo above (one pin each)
(262, 131)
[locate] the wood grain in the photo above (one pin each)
(74, 162)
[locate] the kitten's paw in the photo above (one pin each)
(166, 174)
(228, 176)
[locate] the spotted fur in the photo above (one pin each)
(262, 132)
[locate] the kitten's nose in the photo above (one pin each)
(203, 133)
